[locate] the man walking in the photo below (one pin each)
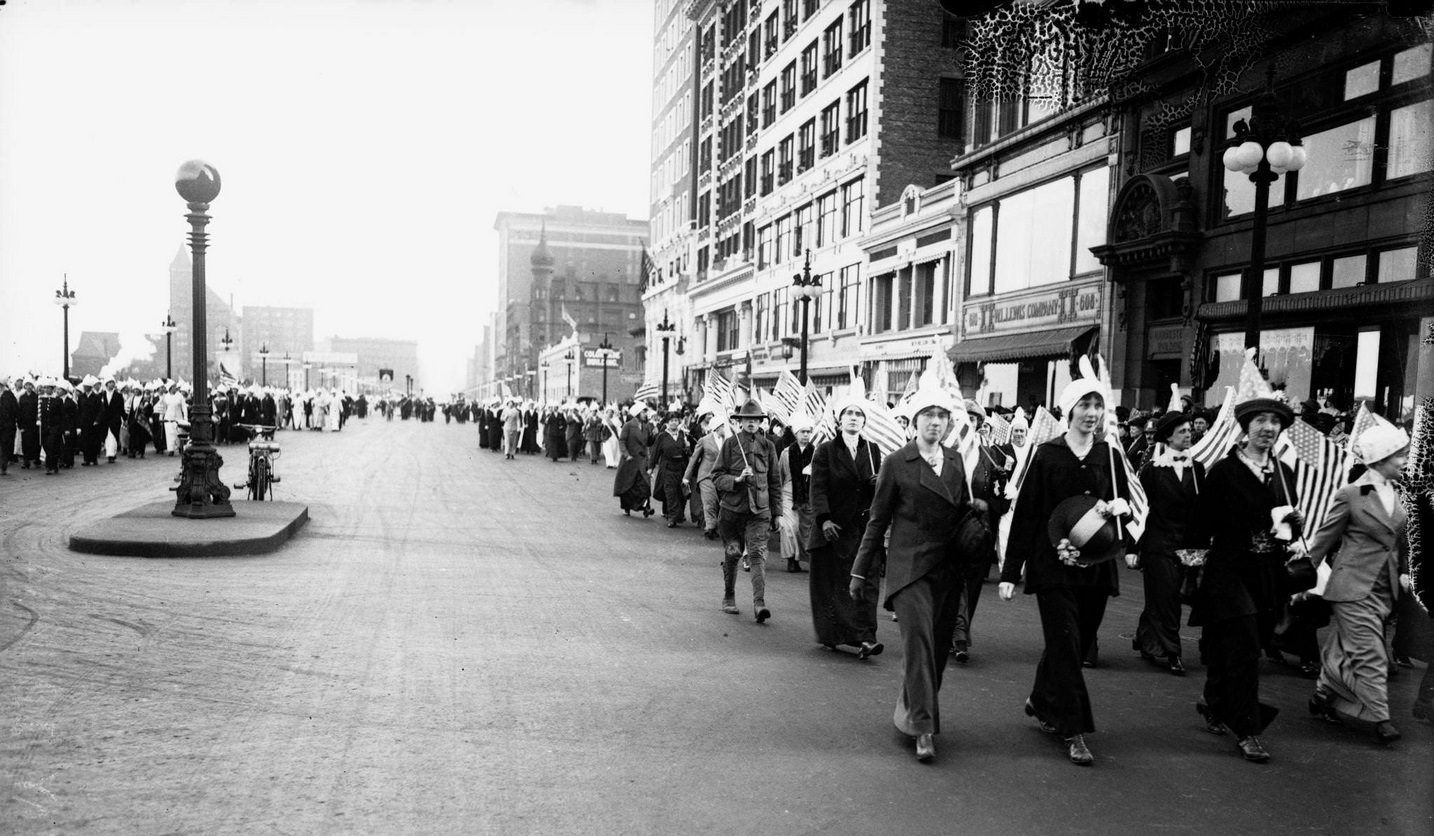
(746, 479)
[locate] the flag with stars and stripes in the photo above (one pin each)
(647, 392)
(1321, 468)
(1224, 431)
(719, 390)
(815, 404)
(789, 393)
(1000, 428)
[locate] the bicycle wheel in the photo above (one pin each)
(253, 477)
(262, 489)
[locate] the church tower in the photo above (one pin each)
(542, 264)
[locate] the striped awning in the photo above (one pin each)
(1007, 347)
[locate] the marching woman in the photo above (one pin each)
(611, 449)
(669, 459)
(841, 488)
(1248, 502)
(1072, 579)
(629, 485)
(921, 499)
(1172, 482)
(1363, 537)
(555, 429)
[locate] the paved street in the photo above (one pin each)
(456, 643)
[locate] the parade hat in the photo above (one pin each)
(1246, 412)
(750, 409)
(89, 380)
(973, 409)
(846, 402)
(931, 397)
(1381, 441)
(800, 420)
(1168, 424)
(1094, 534)
(1020, 422)
(1078, 389)
(637, 408)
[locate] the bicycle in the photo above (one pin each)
(262, 453)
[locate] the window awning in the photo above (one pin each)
(1008, 347)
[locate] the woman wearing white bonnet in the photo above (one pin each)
(1363, 537)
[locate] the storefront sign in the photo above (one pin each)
(593, 358)
(1165, 342)
(1062, 306)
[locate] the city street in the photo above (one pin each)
(456, 643)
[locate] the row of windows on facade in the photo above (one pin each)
(916, 296)
(792, 155)
(815, 224)
(735, 18)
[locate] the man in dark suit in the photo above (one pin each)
(1172, 482)
(921, 497)
(27, 414)
(92, 414)
(9, 423)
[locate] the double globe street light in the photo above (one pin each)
(65, 298)
(1264, 147)
(169, 326)
(806, 288)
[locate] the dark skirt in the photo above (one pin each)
(837, 618)
(669, 488)
(630, 485)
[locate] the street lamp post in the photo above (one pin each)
(544, 366)
(65, 298)
(1265, 147)
(264, 364)
(605, 353)
(569, 358)
(201, 494)
(307, 366)
(806, 287)
(169, 327)
(665, 328)
(287, 383)
(227, 341)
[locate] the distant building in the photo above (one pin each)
(93, 353)
(219, 316)
(373, 353)
(566, 270)
(284, 331)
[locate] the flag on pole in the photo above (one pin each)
(1364, 419)
(882, 429)
(815, 404)
(1321, 468)
(719, 390)
(789, 392)
(568, 318)
(1139, 502)
(773, 406)
(1000, 428)
(1222, 434)
(647, 392)
(645, 271)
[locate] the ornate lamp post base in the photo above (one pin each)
(201, 494)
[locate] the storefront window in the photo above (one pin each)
(1304, 278)
(1094, 208)
(1361, 80)
(1348, 271)
(1270, 283)
(981, 251)
(1227, 287)
(1411, 64)
(1409, 143)
(1033, 236)
(1366, 365)
(1396, 265)
(1338, 159)
(1285, 354)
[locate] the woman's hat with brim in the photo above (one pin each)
(1168, 424)
(846, 402)
(1246, 412)
(931, 398)
(1381, 441)
(1095, 535)
(750, 409)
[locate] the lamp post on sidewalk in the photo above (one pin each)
(666, 329)
(605, 353)
(806, 288)
(201, 494)
(65, 298)
(169, 327)
(544, 366)
(264, 364)
(568, 357)
(1265, 147)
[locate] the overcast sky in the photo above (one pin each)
(365, 148)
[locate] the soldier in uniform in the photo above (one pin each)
(747, 483)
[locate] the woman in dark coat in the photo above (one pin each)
(843, 483)
(669, 459)
(529, 443)
(1242, 588)
(1071, 592)
(988, 484)
(573, 431)
(630, 485)
(555, 428)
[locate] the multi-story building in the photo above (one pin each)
(220, 320)
(356, 361)
(809, 115)
(672, 192)
(1346, 289)
(565, 271)
(283, 333)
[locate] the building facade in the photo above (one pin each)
(1346, 289)
(354, 363)
(276, 338)
(563, 271)
(809, 115)
(220, 319)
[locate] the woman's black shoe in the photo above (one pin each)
(1212, 725)
(1321, 708)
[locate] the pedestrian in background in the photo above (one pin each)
(699, 468)
(794, 468)
(670, 452)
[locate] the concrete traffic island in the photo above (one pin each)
(153, 531)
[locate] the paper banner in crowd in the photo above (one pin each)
(1321, 468)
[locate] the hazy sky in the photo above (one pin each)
(365, 148)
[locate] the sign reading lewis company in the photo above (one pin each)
(1061, 305)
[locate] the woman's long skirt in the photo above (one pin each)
(630, 486)
(1355, 670)
(837, 618)
(669, 488)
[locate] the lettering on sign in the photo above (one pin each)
(1166, 342)
(1065, 306)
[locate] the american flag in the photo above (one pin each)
(912, 384)
(1225, 431)
(1000, 429)
(882, 429)
(647, 392)
(1139, 502)
(1364, 419)
(789, 393)
(646, 269)
(1044, 427)
(773, 406)
(1321, 469)
(719, 390)
(815, 404)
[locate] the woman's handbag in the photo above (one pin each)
(975, 540)
(1300, 573)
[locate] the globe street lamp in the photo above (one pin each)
(606, 354)
(201, 493)
(264, 364)
(1265, 147)
(807, 288)
(65, 298)
(665, 328)
(169, 327)
(227, 341)
(569, 358)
